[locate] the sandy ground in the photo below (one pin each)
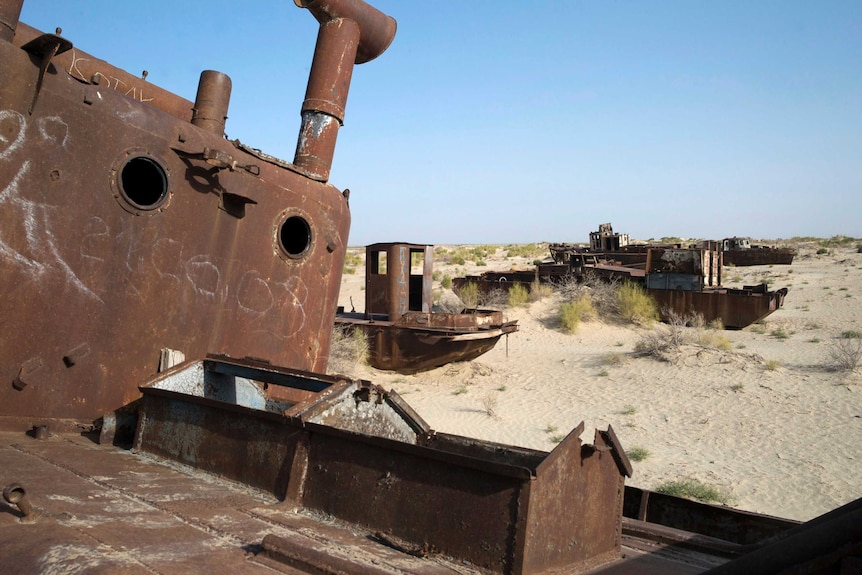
(769, 421)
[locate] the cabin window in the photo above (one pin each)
(143, 183)
(294, 236)
(378, 263)
(417, 262)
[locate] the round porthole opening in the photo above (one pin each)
(294, 236)
(143, 183)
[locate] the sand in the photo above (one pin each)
(769, 421)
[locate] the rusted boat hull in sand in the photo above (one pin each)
(735, 308)
(403, 332)
(741, 252)
(763, 256)
(419, 342)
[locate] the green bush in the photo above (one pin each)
(348, 349)
(518, 295)
(573, 312)
(637, 453)
(635, 304)
(694, 489)
(539, 291)
(469, 294)
(446, 282)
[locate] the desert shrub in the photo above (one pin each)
(489, 405)
(779, 334)
(539, 291)
(495, 298)
(347, 350)
(694, 489)
(603, 294)
(526, 250)
(637, 454)
(859, 248)
(518, 295)
(446, 282)
(352, 259)
(570, 288)
(851, 334)
(635, 304)
(714, 339)
(680, 330)
(822, 251)
(573, 312)
(469, 294)
(846, 353)
(772, 364)
(660, 341)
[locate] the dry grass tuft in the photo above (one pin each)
(347, 351)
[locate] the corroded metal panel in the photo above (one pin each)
(361, 455)
(735, 308)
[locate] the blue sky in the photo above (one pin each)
(498, 121)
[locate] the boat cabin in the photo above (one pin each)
(736, 244)
(398, 279)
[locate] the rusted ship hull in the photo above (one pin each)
(759, 257)
(420, 342)
(346, 478)
(734, 308)
(130, 224)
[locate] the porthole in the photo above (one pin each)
(294, 236)
(143, 183)
(140, 182)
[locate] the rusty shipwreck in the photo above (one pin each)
(741, 252)
(404, 332)
(156, 238)
(684, 281)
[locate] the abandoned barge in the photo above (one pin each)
(404, 333)
(155, 232)
(741, 252)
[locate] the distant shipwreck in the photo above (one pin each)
(682, 280)
(404, 333)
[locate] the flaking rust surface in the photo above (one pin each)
(104, 510)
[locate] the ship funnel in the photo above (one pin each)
(351, 32)
(10, 11)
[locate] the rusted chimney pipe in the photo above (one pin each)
(211, 102)
(10, 11)
(351, 32)
(15, 494)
